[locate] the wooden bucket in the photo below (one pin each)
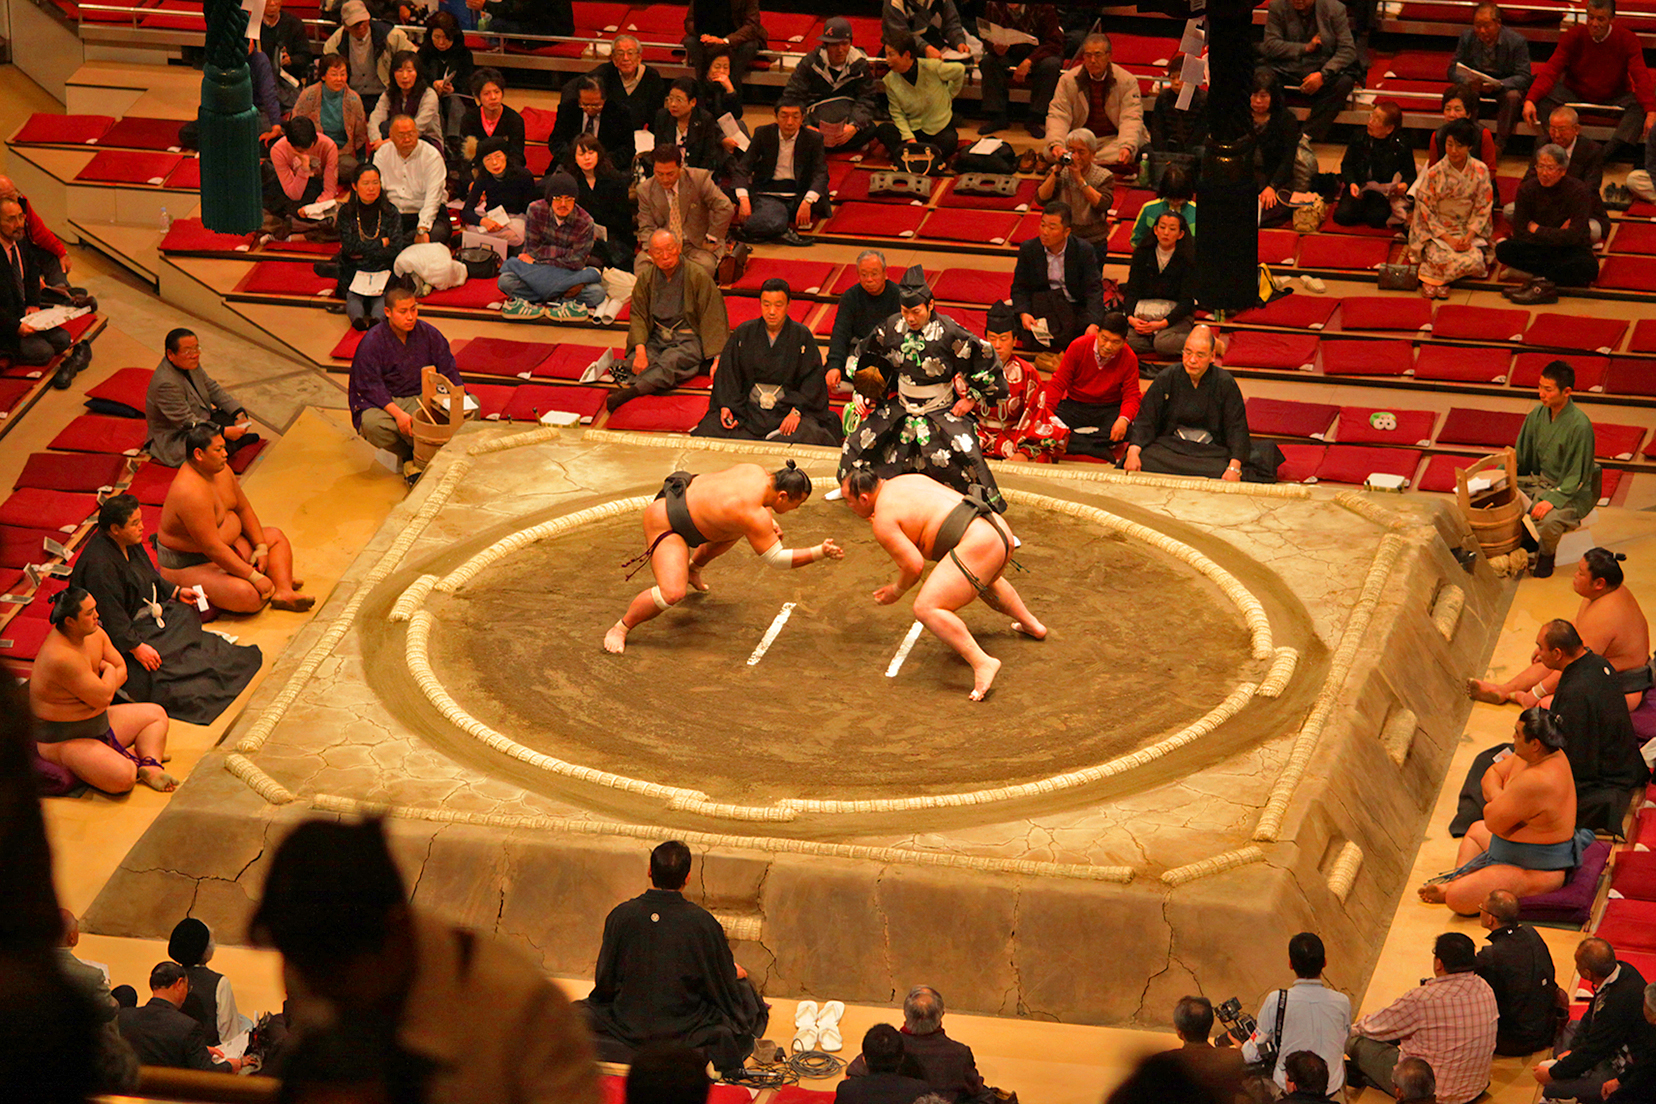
(1496, 517)
(432, 430)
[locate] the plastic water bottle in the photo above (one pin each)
(165, 221)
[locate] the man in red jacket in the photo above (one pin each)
(1597, 62)
(1095, 390)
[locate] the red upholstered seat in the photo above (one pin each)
(1141, 50)
(1616, 442)
(190, 236)
(71, 471)
(1293, 312)
(1022, 199)
(129, 167)
(21, 372)
(803, 277)
(796, 30)
(972, 285)
(79, 326)
(1627, 272)
(793, 1094)
(1278, 246)
(1355, 463)
(1361, 229)
(1300, 463)
(1591, 371)
(127, 387)
(1634, 876)
(1127, 202)
(1462, 363)
(20, 546)
(570, 362)
(1610, 480)
(1439, 473)
(1629, 925)
(537, 123)
(21, 638)
(537, 157)
(854, 186)
(492, 398)
(1028, 229)
(1575, 331)
(347, 347)
(38, 508)
(1385, 312)
(1368, 425)
(535, 399)
(187, 177)
(150, 482)
(243, 458)
(284, 278)
(823, 326)
(1480, 323)
(1634, 237)
(494, 356)
(473, 294)
(994, 227)
(1644, 336)
(101, 433)
(1468, 425)
(12, 392)
(1416, 65)
(746, 308)
(662, 21)
(875, 220)
(1630, 376)
(660, 413)
(1287, 351)
(52, 129)
(1286, 418)
(598, 16)
(1356, 356)
(1343, 251)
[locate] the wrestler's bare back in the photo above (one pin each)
(724, 505)
(55, 665)
(191, 491)
(1615, 627)
(918, 505)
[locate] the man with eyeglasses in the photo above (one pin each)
(181, 394)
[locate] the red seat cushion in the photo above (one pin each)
(1628, 376)
(1467, 425)
(1417, 65)
(1611, 479)
(803, 277)
(534, 399)
(1022, 199)
(1285, 418)
(37, 508)
(1439, 473)
(1409, 427)
(570, 362)
(1126, 203)
(538, 158)
(660, 413)
(971, 285)
(994, 227)
(127, 387)
(793, 1094)
(1627, 272)
(1591, 371)
(492, 398)
(537, 123)
(101, 433)
(1278, 246)
(1343, 251)
(473, 294)
(1462, 363)
(150, 482)
(1356, 356)
(190, 236)
(1629, 925)
(187, 177)
(50, 128)
(1480, 323)
(1634, 237)
(347, 347)
(21, 638)
(1644, 336)
(663, 20)
(1385, 312)
(1575, 331)
(1295, 352)
(1300, 462)
(243, 458)
(823, 326)
(1634, 876)
(71, 471)
(1294, 312)
(284, 278)
(1616, 442)
(1355, 463)
(855, 187)
(129, 167)
(12, 392)
(495, 356)
(21, 546)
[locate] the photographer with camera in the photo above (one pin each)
(1306, 1016)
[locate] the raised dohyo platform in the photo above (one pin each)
(1234, 732)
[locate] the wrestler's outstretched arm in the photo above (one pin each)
(905, 554)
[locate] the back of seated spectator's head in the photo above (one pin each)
(125, 996)
(1306, 955)
(334, 904)
(1455, 952)
(882, 1049)
(1306, 1072)
(489, 80)
(1463, 133)
(442, 23)
(1460, 101)
(1499, 910)
(1540, 724)
(1383, 119)
(333, 71)
(1603, 567)
(1177, 187)
(1414, 1080)
(191, 944)
(167, 979)
(300, 132)
(670, 865)
(1193, 1019)
(902, 50)
(1185, 1076)
(1595, 958)
(667, 1073)
(923, 1010)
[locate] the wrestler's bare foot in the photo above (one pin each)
(983, 676)
(293, 603)
(157, 779)
(1481, 690)
(1433, 894)
(1034, 629)
(695, 579)
(615, 641)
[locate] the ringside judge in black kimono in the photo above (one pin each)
(770, 384)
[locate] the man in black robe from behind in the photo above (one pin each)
(665, 974)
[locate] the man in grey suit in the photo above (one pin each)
(704, 211)
(181, 393)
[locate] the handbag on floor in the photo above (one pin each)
(1399, 277)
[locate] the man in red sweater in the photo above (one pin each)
(1602, 63)
(1095, 391)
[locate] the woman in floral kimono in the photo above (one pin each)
(941, 373)
(1020, 426)
(1454, 205)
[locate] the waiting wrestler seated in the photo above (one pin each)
(666, 974)
(78, 724)
(770, 385)
(211, 540)
(1192, 421)
(1527, 841)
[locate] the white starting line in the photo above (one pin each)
(770, 634)
(903, 650)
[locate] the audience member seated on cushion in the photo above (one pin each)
(1495, 52)
(266, 103)
(1595, 1048)
(385, 373)
(336, 111)
(170, 660)
(163, 1035)
(684, 124)
(1597, 62)
(733, 24)
(182, 394)
(480, 1020)
(602, 191)
(666, 1073)
(782, 179)
(1057, 284)
(77, 673)
(489, 117)
(684, 201)
(665, 974)
(1182, 1075)
(1519, 968)
(1309, 46)
(1160, 296)
(1551, 238)
(885, 1074)
(1453, 219)
(770, 385)
(1084, 185)
(1020, 426)
(52, 258)
(637, 89)
(1176, 194)
(557, 246)
(1104, 98)
(1527, 841)
(1556, 469)
(1584, 160)
(1193, 422)
(1461, 102)
(585, 109)
(1376, 172)
(836, 85)
(1638, 1080)
(1589, 707)
(934, 24)
(283, 39)
(1037, 64)
(1305, 1080)
(210, 540)
(211, 1001)
(20, 297)
(303, 169)
(920, 93)
(367, 45)
(415, 179)
(1283, 161)
(862, 306)
(371, 235)
(719, 95)
(1176, 131)
(1316, 1020)
(1095, 390)
(408, 94)
(499, 186)
(677, 316)
(448, 65)
(1448, 1021)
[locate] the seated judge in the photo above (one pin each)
(586, 109)
(1193, 422)
(863, 305)
(1095, 390)
(677, 316)
(687, 199)
(1599, 741)
(180, 394)
(385, 373)
(770, 385)
(681, 122)
(782, 179)
(1160, 295)
(1058, 284)
(665, 974)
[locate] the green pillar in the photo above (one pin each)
(229, 126)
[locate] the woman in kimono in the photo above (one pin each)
(171, 661)
(941, 373)
(1454, 206)
(1020, 426)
